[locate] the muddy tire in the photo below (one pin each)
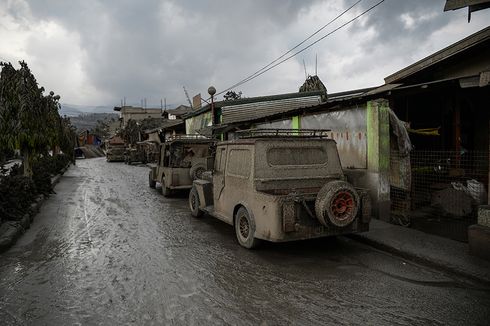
(166, 191)
(194, 203)
(245, 229)
(337, 204)
(196, 171)
(151, 182)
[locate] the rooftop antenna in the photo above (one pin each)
(165, 101)
(124, 100)
(188, 98)
(121, 102)
(304, 65)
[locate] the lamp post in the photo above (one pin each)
(212, 91)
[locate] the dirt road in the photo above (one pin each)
(107, 249)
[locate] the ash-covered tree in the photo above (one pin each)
(29, 121)
(133, 132)
(101, 129)
(232, 95)
(68, 137)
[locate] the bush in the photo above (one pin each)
(18, 192)
(46, 167)
(16, 195)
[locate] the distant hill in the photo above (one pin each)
(73, 110)
(88, 120)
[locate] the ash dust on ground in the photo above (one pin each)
(108, 250)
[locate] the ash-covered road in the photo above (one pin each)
(108, 250)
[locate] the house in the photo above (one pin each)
(443, 100)
(176, 113)
(127, 113)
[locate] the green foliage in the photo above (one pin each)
(17, 192)
(30, 121)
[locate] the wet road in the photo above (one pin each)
(107, 249)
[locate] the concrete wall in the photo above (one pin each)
(348, 129)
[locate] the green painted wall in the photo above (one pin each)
(378, 135)
(296, 122)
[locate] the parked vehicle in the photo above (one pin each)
(152, 151)
(115, 148)
(135, 154)
(115, 153)
(280, 185)
(182, 159)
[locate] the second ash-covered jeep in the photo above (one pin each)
(280, 185)
(182, 159)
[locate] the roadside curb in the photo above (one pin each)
(417, 258)
(11, 231)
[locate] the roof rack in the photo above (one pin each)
(281, 133)
(188, 137)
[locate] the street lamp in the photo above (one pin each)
(212, 91)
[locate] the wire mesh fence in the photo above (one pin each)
(439, 191)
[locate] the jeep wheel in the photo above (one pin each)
(194, 203)
(245, 229)
(166, 191)
(196, 171)
(337, 204)
(151, 182)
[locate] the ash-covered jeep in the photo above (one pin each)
(280, 185)
(182, 159)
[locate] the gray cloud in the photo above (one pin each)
(152, 48)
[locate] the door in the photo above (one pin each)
(219, 176)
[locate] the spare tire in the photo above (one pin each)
(196, 171)
(337, 203)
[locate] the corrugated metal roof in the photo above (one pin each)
(257, 110)
(245, 100)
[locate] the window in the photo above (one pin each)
(239, 163)
(297, 156)
(220, 160)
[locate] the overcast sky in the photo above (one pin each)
(95, 52)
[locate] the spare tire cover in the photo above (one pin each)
(196, 171)
(337, 204)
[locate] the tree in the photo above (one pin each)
(232, 95)
(29, 121)
(131, 133)
(67, 136)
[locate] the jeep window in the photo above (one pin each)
(239, 163)
(279, 156)
(220, 160)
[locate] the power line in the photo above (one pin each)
(293, 48)
(303, 49)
